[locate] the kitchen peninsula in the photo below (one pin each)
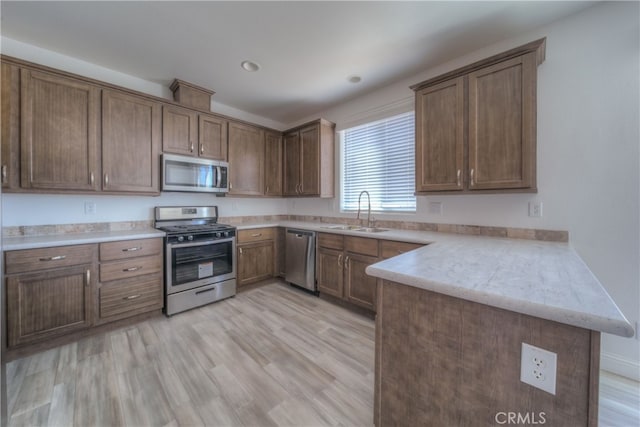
(451, 320)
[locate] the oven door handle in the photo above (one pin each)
(202, 243)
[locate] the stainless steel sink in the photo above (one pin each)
(355, 228)
(370, 229)
(343, 227)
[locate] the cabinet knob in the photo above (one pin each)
(201, 148)
(240, 249)
(472, 178)
(88, 277)
(458, 175)
(191, 146)
(4, 174)
(92, 178)
(106, 179)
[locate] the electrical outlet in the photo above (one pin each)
(538, 368)
(90, 208)
(535, 209)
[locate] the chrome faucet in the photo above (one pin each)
(369, 210)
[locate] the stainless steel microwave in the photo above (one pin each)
(190, 174)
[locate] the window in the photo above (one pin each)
(379, 158)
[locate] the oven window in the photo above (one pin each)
(201, 262)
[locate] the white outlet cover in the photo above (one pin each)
(538, 367)
(435, 208)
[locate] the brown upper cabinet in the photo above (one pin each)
(130, 143)
(10, 137)
(59, 124)
(308, 168)
(187, 132)
(273, 164)
(476, 126)
(246, 160)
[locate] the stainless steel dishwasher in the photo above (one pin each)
(301, 258)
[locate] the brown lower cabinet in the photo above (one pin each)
(255, 255)
(49, 292)
(341, 264)
(57, 291)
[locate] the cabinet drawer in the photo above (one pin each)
(361, 245)
(130, 268)
(129, 248)
(256, 235)
(333, 241)
(47, 258)
(389, 248)
(130, 297)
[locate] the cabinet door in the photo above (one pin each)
(246, 160)
(49, 303)
(360, 287)
(212, 137)
(179, 130)
(329, 268)
(291, 167)
(59, 132)
(130, 143)
(255, 262)
(10, 138)
(440, 137)
(273, 164)
(502, 125)
(310, 161)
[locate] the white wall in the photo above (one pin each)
(588, 153)
(588, 156)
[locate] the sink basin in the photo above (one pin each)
(355, 228)
(370, 229)
(343, 227)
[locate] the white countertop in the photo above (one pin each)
(50, 240)
(541, 279)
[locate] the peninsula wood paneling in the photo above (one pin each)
(464, 363)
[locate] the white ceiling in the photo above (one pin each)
(307, 50)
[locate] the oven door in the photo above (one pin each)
(190, 265)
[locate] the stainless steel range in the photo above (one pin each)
(200, 262)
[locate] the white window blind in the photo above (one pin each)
(379, 158)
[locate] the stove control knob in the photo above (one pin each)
(226, 234)
(218, 235)
(180, 238)
(189, 238)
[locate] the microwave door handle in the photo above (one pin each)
(219, 176)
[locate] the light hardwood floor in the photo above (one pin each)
(270, 356)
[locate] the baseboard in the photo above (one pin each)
(620, 366)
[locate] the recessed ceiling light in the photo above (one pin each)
(250, 66)
(355, 79)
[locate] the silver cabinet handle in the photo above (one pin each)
(92, 178)
(458, 175)
(130, 297)
(240, 249)
(340, 261)
(472, 179)
(53, 258)
(201, 148)
(191, 146)
(256, 235)
(88, 277)
(230, 186)
(267, 190)
(346, 262)
(4, 174)
(132, 249)
(106, 179)
(127, 270)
